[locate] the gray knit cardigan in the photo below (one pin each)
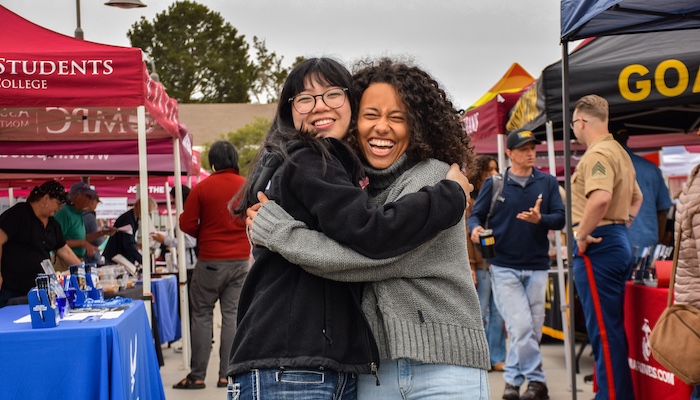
(420, 305)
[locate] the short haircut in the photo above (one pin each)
(223, 155)
(52, 188)
(594, 106)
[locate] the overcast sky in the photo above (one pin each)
(467, 45)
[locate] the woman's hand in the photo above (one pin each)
(252, 211)
(158, 237)
(455, 174)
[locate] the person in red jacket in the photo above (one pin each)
(224, 252)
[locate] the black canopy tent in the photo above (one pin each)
(651, 82)
(582, 19)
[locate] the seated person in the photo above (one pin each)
(123, 242)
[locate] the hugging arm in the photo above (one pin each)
(275, 229)
(343, 213)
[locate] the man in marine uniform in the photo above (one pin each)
(605, 200)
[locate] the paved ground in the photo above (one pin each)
(554, 365)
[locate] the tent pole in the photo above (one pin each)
(569, 229)
(500, 138)
(143, 224)
(563, 305)
(181, 266)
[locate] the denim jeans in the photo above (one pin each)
(696, 393)
(406, 379)
(493, 322)
(520, 300)
(293, 383)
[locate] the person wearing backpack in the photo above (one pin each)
(528, 206)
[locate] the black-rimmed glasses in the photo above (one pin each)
(575, 121)
(305, 103)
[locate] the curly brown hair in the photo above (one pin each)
(479, 166)
(434, 124)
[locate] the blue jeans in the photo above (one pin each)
(520, 300)
(406, 379)
(493, 322)
(293, 383)
(696, 393)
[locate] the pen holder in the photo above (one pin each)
(42, 312)
(93, 291)
(76, 296)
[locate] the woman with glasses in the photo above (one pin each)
(300, 335)
(28, 234)
(422, 306)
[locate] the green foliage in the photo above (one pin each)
(199, 56)
(246, 140)
(269, 73)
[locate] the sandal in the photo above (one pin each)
(222, 383)
(189, 383)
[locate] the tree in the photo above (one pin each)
(246, 140)
(269, 73)
(199, 56)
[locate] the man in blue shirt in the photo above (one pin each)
(526, 210)
(650, 223)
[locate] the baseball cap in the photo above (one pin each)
(82, 188)
(519, 137)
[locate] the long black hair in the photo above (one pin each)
(274, 149)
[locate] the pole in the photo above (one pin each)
(144, 217)
(78, 30)
(182, 268)
(567, 179)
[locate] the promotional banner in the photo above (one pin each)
(651, 82)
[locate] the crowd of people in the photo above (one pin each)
(352, 262)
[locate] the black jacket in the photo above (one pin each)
(124, 243)
(288, 318)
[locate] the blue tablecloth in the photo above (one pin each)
(104, 359)
(165, 306)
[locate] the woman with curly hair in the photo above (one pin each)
(422, 306)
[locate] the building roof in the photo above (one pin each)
(208, 122)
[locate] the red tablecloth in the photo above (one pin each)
(643, 306)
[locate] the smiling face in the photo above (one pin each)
(382, 127)
(322, 120)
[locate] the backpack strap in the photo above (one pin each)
(496, 191)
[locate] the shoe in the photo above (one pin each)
(189, 383)
(177, 349)
(222, 383)
(535, 391)
(499, 367)
(512, 392)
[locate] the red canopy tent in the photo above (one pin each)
(69, 105)
(486, 118)
(73, 106)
